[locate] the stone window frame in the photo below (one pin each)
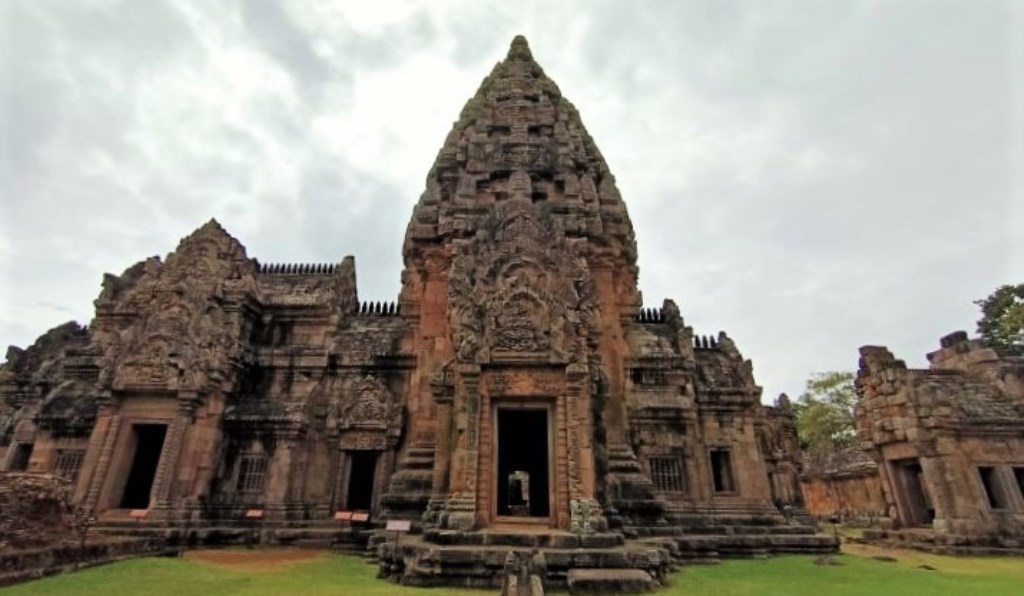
(668, 473)
(252, 473)
(731, 488)
(647, 376)
(993, 487)
(68, 463)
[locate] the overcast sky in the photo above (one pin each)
(810, 176)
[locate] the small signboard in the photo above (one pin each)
(398, 525)
(360, 517)
(254, 514)
(138, 513)
(343, 515)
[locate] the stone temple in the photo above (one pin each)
(517, 395)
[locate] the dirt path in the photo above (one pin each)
(262, 559)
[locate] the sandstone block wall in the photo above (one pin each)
(948, 440)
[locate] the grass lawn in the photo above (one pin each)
(267, 572)
(857, 573)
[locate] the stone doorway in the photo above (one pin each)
(361, 479)
(915, 506)
(523, 471)
(149, 443)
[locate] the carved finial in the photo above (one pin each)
(520, 50)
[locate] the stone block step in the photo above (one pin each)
(610, 581)
(752, 545)
(525, 539)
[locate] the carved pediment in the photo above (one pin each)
(366, 415)
(519, 287)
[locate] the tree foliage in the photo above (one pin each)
(825, 412)
(1002, 318)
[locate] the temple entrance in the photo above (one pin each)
(149, 442)
(361, 476)
(915, 506)
(523, 463)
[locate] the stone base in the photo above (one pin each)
(18, 566)
(327, 534)
(944, 544)
(610, 581)
(477, 559)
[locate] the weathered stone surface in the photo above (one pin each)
(37, 510)
(610, 581)
(844, 485)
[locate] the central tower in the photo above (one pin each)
(520, 264)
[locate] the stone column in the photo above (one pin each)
(92, 452)
(104, 437)
(585, 513)
(443, 450)
(167, 469)
(279, 477)
(461, 506)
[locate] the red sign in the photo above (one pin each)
(254, 514)
(138, 513)
(360, 517)
(343, 515)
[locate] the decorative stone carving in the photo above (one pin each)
(367, 415)
(519, 287)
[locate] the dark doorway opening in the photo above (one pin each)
(917, 507)
(721, 471)
(523, 463)
(149, 442)
(361, 478)
(22, 453)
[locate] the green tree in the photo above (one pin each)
(824, 412)
(1002, 318)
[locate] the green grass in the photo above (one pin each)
(789, 576)
(161, 576)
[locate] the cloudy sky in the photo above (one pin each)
(810, 176)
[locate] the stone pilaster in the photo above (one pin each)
(106, 435)
(461, 508)
(167, 469)
(443, 450)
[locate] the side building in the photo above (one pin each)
(949, 444)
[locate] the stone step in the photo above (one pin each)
(718, 530)
(752, 545)
(524, 539)
(610, 581)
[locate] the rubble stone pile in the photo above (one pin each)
(36, 510)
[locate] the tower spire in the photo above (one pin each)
(519, 139)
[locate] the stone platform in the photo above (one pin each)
(476, 559)
(927, 540)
